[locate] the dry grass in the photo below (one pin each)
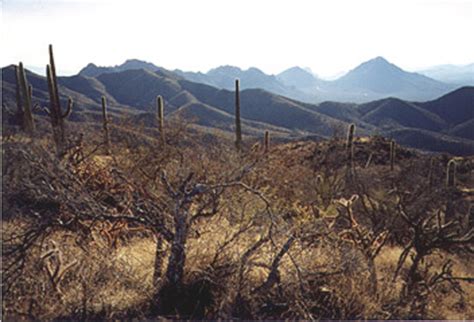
(321, 276)
(121, 280)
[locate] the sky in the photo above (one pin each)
(327, 36)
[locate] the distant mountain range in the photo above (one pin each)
(461, 75)
(371, 80)
(442, 124)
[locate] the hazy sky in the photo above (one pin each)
(329, 36)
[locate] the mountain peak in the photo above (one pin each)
(226, 69)
(91, 65)
(378, 64)
(133, 60)
(379, 60)
(137, 64)
(92, 70)
(384, 78)
(296, 69)
(297, 77)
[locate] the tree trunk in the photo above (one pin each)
(170, 295)
(411, 278)
(177, 258)
(372, 275)
(158, 260)
(413, 270)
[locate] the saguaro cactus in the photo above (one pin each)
(451, 174)
(161, 118)
(57, 116)
(392, 154)
(19, 105)
(25, 109)
(105, 125)
(266, 141)
(238, 129)
(350, 145)
(450, 184)
(431, 172)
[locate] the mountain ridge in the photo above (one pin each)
(455, 74)
(445, 120)
(374, 79)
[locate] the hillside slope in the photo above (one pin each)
(444, 123)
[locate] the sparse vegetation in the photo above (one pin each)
(200, 230)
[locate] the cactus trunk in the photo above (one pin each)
(56, 115)
(161, 118)
(450, 185)
(238, 129)
(430, 172)
(266, 141)
(451, 174)
(27, 109)
(105, 125)
(392, 154)
(19, 104)
(350, 145)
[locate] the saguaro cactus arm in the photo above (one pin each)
(68, 111)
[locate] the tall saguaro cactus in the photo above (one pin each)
(431, 172)
(392, 154)
(451, 174)
(57, 116)
(450, 185)
(238, 128)
(19, 104)
(25, 108)
(161, 118)
(266, 141)
(105, 125)
(350, 145)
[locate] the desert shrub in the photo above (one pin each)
(282, 234)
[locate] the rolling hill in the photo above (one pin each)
(393, 112)
(455, 107)
(444, 124)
